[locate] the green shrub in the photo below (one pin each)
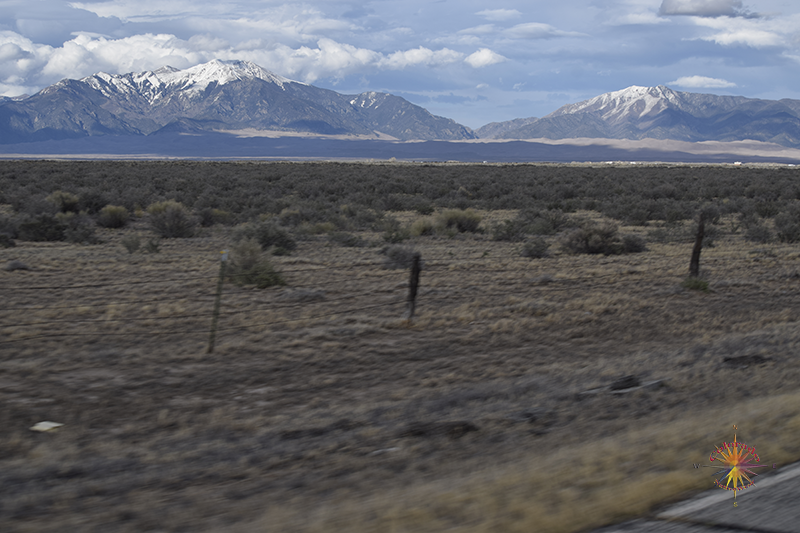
(209, 217)
(464, 220)
(394, 232)
(92, 202)
(633, 244)
(170, 219)
(267, 234)
(79, 229)
(425, 207)
(422, 227)
(758, 233)
(65, 202)
(8, 226)
(593, 238)
(248, 266)
(787, 225)
(41, 228)
(113, 216)
(510, 230)
(536, 248)
(131, 243)
(695, 284)
(153, 245)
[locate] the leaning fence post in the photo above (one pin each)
(213, 335)
(694, 264)
(413, 284)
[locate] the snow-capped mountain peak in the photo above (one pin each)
(634, 101)
(191, 81)
(219, 72)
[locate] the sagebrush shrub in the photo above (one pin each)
(394, 231)
(267, 234)
(170, 219)
(8, 226)
(79, 229)
(113, 216)
(787, 225)
(153, 245)
(422, 227)
(464, 220)
(65, 202)
(758, 233)
(536, 248)
(131, 243)
(41, 228)
(92, 202)
(593, 238)
(510, 230)
(248, 266)
(633, 244)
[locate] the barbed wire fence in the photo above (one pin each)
(237, 311)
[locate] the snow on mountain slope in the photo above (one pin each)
(215, 96)
(634, 101)
(153, 85)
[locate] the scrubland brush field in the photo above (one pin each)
(560, 372)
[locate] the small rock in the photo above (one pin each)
(45, 426)
(16, 265)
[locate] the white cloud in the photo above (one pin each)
(537, 30)
(694, 82)
(499, 15)
(28, 67)
(639, 18)
(420, 56)
(483, 58)
(702, 8)
(757, 33)
(150, 10)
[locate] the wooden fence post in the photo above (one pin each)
(694, 264)
(413, 285)
(212, 338)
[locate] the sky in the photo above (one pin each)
(474, 61)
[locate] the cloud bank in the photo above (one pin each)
(475, 62)
(702, 8)
(701, 82)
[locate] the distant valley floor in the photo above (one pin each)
(224, 146)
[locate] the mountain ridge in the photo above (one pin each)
(663, 113)
(218, 95)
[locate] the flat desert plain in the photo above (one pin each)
(551, 394)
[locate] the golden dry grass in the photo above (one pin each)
(307, 416)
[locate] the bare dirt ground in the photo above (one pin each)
(322, 410)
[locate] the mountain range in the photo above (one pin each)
(661, 113)
(215, 96)
(225, 106)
